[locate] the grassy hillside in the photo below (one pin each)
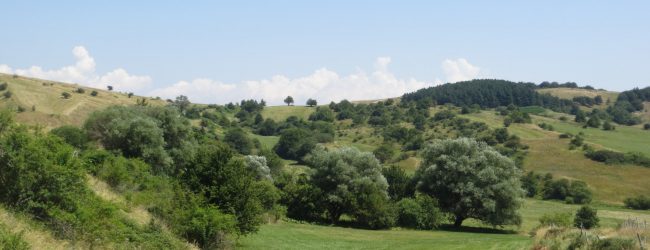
(569, 93)
(280, 113)
(43, 103)
(550, 154)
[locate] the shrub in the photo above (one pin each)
(7, 94)
(295, 143)
(94, 93)
(586, 217)
(72, 135)
(3, 86)
(384, 153)
(646, 126)
(66, 95)
(80, 90)
(238, 140)
(613, 243)
(399, 183)
(606, 156)
(556, 219)
(640, 202)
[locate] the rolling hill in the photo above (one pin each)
(42, 103)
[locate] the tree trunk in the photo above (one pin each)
(458, 221)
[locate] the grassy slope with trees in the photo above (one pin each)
(542, 156)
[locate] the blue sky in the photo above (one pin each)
(219, 51)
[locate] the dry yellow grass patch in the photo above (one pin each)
(36, 237)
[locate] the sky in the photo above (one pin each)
(225, 51)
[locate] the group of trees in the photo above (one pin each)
(461, 177)
(547, 188)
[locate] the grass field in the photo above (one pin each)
(291, 235)
(280, 113)
(50, 109)
(569, 93)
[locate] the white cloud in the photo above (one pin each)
(323, 84)
(83, 72)
(459, 70)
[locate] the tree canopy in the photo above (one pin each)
(471, 180)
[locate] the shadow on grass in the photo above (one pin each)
(468, 229)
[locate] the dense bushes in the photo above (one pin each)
(545, 187)
(640, 202)
(295, 143)
(612, 157)
(556, 219)
(72, 135)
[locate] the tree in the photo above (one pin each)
(288, 100)
(400, 184)
(586, 217)
(384, 152)
(294, 143)
(268, 127)
(238, 140)
(608, 126)
(580, 116)
(94, 93)
(311, 102)
(593, 122)
(351, 182)
(646, 126)
(322, 114)
(72, 135)
(109, 87)
(130, 94)
(471, 180)
(66, 95)
(257, 164)
(80, 90)
(182, 103)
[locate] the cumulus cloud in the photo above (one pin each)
(459, 70)
(83, 72)
(323, 84)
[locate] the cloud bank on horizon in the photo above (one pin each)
(323, 84)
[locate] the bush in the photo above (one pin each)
(646, 126)
(586, 217)
(640, 202)
(80, 90)
(613, 244)
(295, 143)
(66, 95)
(237, 139)
(72, 135)
(94, 93)
(3, 86)
(7, 94)
(606, 156)
(556, 219)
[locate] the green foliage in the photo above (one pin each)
(238, 139)
(593, 122)
(311, 102)
(614, 244)
(94, 93)
(80, 90)
(384, 152)
(351, 183)
(226, 182)
(72, 135)
(586, 217)
(12, 241)
(607, 126)
(471, 180)
(640, 202)
(572, 192)
(295, 143)
(322, 114)
(556, 219)
(3, 86)
(400, 184)
(257, 164)
(7, 94)
(580, 117)
(419, 213)
(646, 126)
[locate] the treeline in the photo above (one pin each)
(488, 93)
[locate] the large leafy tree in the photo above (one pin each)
(351, 182)
(471, 180)
(288, 100)
(295, 143)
